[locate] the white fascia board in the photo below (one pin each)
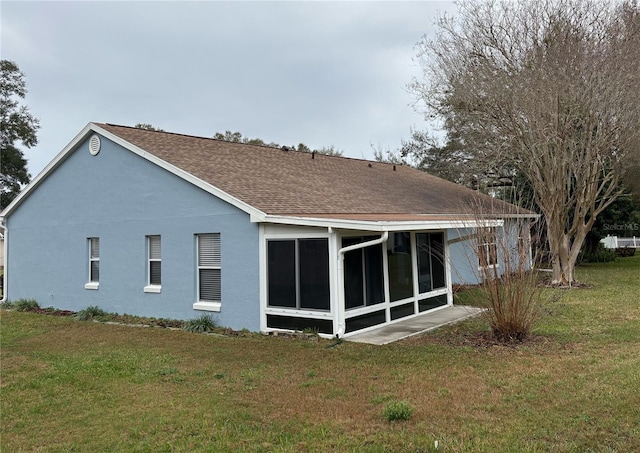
(253, 212)
(381, 225)
(522, 216)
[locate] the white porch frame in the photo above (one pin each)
(337, 314)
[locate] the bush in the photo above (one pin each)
(600, 255)
(203, 323)
(509, 289)
(25, 305)
(514, 303)
(397, 410)
(91, 312)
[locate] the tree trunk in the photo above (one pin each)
(565, 254)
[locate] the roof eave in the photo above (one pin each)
(368, 225)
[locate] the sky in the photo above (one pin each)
(320, 73)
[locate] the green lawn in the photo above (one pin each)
(68, 385)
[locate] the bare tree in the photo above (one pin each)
(549, 89)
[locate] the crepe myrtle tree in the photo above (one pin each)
(16, 125)
(546, 89)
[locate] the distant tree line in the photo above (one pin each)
(238, 137)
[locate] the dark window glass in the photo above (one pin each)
(400, 271)
(368, 320)
(155, 274)
(210, 284)
(298, 323)
(437, 260)
(95, 271)
(363, 274)
(281, 273)
(402, 310)
(314, 273)
(432, 302)
(424, 262)
(353, 279)
(374, 274)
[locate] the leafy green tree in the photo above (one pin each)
(237, 137)
(16, 125)
(148, 127)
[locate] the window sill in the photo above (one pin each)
(91, 285)
(207, 306)
(152, 289)
(489, 267)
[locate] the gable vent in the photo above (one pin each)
(94, 144)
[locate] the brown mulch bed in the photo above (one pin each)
(50, 312)
(482, 340)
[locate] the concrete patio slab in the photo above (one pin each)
(415, 326)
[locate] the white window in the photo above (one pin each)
(209, 269)
(487, 247)
(94, 263)
(154, 264)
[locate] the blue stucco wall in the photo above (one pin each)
(120, 198)
(464, 258)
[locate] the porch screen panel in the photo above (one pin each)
(424, 262)
(400, 268)
(374, 274)
(314, 273)
(281, 273)
(437, 260)
(353, 275)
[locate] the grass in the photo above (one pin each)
(68, 385)
(397, 410)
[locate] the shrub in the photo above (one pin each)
(25, 305)
(509, 289)
(91, 312)
(514, 304)
(397, 410)
(203, 323)
(600, 255)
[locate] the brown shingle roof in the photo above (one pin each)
(295, 183)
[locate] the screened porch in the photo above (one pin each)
(344, 282)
